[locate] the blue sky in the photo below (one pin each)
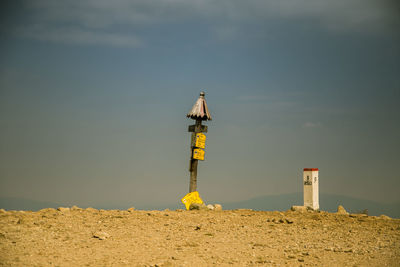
(93, 98)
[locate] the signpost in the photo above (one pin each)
(199, 112)
(200, 140)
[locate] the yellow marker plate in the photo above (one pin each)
(198, 153)
(200, 140)
(190, 198)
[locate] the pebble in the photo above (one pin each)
(299, 208)
(62, 209)
(197, 206)
(91, 209)
(42, 210)
(217, 207)
(131, 209)
(341, 210)
(288, 221)
(101, 235)
(210, 207)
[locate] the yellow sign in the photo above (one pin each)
(200, 140)
(190, 198)
(198, 153)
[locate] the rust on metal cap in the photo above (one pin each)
(199, 110)
(311, 169)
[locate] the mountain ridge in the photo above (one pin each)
(328, 202)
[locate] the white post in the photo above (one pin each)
(310, 182)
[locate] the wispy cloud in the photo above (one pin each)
(251, 97)
(79, 36)
(121, 22)
(311, 125)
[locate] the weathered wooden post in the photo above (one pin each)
(199, 112)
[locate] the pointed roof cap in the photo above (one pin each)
(199, 110)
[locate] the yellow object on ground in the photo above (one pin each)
(190, 198)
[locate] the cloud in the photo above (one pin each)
(79, 36)
(332, 14)
(337, 15)
(123, 22)
(103, 14)
(252, 97)
(311, 125)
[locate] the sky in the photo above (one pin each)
(94, 97)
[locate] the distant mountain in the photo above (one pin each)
(327, 202)
(13, 203)
(283, 202)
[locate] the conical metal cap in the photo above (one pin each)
(199, 110)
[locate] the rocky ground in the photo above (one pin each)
(90, 237)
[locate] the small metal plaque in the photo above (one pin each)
(200, 140)
(198, 153)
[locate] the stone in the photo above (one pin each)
(131, 209)
(341, 210)
(62, 209)
(101, 235)
(42, 210)
(210, 207)
(337, 249)
(198, 206)
(385, 217)
(364, 211)
(288, 221)
(3, 211)
(299, 208)
(217, 207)
(91, 209)
(75, 208)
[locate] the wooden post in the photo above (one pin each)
(194, 162)
(199, 112)
(193, 175)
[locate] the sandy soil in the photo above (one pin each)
(90, 237)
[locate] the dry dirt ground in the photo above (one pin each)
(90, 237)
